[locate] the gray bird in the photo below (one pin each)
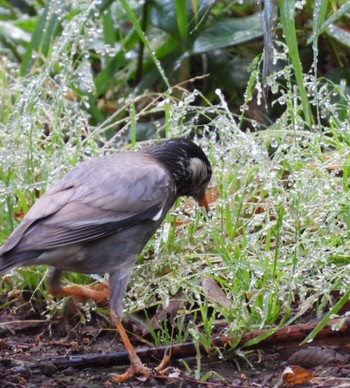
(101, 214)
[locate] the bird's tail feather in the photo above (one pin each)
(9, 261)
(6, 265)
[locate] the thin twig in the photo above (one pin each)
(286, 336)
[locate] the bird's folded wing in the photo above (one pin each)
(52, 233)
(83, 207)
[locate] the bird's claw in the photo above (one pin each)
(165, 361)
(138, 369)
(130, 373)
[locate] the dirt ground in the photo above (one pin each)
(37, 353)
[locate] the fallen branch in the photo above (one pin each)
(287, 336)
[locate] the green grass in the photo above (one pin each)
(277, 239)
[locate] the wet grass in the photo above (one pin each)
(277, 238)
(276, 241)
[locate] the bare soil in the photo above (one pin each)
(29, 347)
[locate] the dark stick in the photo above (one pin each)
(287, 336)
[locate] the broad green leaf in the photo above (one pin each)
(165, 16)
(228, 33)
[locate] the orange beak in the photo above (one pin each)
(205, 203)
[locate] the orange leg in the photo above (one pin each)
(136, 366)
(100, 293)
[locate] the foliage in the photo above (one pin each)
(170, 42)
(116, 49)
(78, 79)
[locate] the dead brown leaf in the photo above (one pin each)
(170, 312)
(295, 375)
(316, 355)
(214, 293)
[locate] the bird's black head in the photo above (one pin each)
(188, 164)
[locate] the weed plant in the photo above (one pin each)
(277, 238)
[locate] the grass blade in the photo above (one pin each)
(327, 317)
(287, 8)
(139, 31)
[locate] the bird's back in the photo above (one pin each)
(124, 195)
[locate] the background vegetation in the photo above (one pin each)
(263, 89)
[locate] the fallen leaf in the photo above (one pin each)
(170, 312)
(295, 375)
(213, 292)
(316, 355)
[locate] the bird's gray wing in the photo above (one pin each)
(97, 198)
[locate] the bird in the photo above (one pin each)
(99, 216)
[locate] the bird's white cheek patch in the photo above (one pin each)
(157, 216)
(197, 168)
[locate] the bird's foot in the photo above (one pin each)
(138, 369)
(164, 363)
(133, 370)
(98, 292)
